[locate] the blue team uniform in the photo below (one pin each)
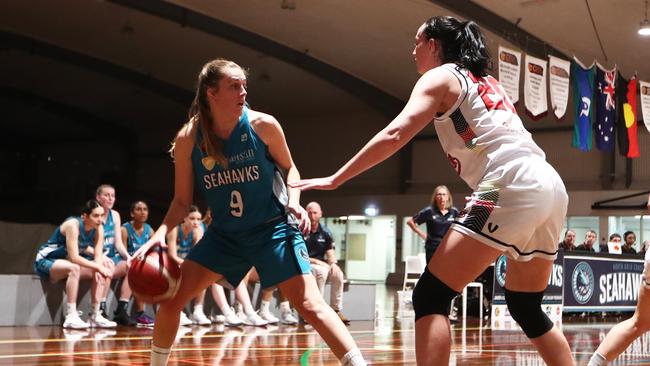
(135, 241)
(247, 200)
(183, 244)
(55, 248)
(109, 239)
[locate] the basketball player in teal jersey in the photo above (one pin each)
(136, 233)
(65, 255)
(181, 239)
(238, 157)
(114, 247)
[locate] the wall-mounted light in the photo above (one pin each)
(644, 27)
(371, 211)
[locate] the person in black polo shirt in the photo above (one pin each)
(438, 218)
(323, 259)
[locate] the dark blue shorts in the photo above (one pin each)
(277, 250)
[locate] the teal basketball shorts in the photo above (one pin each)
(276, 249)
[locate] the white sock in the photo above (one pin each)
(159, 356)
(71, 308)
(265, 305)
(94, 309)
(597, 360)
(285, 307)
(353, 358)
(198, 308)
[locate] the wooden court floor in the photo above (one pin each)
(387, 341)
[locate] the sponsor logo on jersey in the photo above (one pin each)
(244, 137)
(455, 163)
(582, 282)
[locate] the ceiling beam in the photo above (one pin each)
(376, 98)
(34, 46)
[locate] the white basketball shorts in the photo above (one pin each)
(518, 207)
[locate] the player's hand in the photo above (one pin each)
(304, 225)
(104, 271)
(323, 184)
(146, 246)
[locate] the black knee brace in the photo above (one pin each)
(526, 309)
(431, 296)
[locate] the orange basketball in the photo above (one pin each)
(154, 277)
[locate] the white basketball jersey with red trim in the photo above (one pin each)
(482, 130)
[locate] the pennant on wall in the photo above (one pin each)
(583, 84)
(644, 91)
(605, 100)
(510, 72)
(535, 86)
(558, 74)
(626, 122)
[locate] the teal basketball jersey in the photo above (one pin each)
(183, 244)
(55, 248)
(109, 235)
(135, 241)
(251, 191)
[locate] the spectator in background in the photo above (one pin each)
(628, 244)
(568, 244)
(644, 247)
(322, 257)
(438, 216)
(614, 238)
(588, 245)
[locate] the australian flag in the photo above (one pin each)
(605, 108)
(583, 84)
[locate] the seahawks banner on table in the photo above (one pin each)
(601, 284)
(553, 293)
(605, 101)
(510, 72)
(583, 84)
(551, 303)
(535, 86)
(644, 91)
(626, 124)
(558, 76)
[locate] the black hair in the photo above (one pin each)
(463, 43)
(132, 208)
(615, 235)
(628, 233)
(89, 207)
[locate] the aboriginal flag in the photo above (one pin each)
(583, 84)
(628, 143)
(605, 101)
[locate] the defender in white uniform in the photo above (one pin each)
(518, 204)
(519, 201)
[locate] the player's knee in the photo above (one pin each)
(311, 308)
(431, 296)
(525, 308)
(74, 271)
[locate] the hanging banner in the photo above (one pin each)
(535, 86)
(605, 101)
(558, 77)
(510, 72)
(583, 84)
(626, 131)
(644, 91)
